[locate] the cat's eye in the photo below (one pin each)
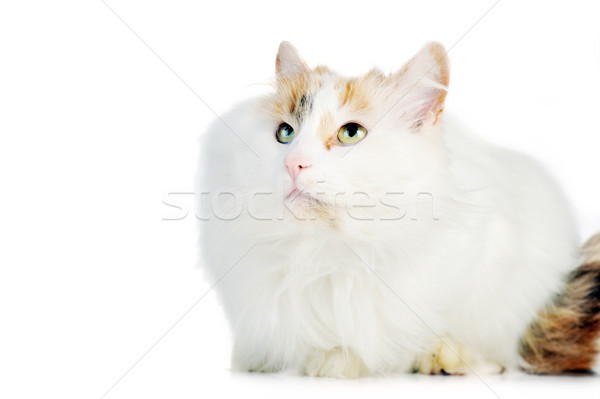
(285, 133)
(351, 133)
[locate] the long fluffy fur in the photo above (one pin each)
(483, 244)
(565, 336)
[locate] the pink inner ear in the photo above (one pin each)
(288, 61)
(426, 77)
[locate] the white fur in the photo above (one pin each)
(492, 254)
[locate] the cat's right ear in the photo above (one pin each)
(289, 62)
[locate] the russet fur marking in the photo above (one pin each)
(564, 338)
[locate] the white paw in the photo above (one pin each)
(451, 358)
(335, 363)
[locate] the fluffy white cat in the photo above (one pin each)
(353, 230)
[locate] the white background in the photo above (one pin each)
(95, 131)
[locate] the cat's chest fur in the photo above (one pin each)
(317, 292)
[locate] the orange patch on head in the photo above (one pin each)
(354, 93)
(292, 99)
(321, 70)
(326, 130)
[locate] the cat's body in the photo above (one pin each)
(420, 240)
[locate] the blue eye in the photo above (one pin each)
(285, 133)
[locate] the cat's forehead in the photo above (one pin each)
(295, 96)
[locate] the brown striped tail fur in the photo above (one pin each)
(564, 338)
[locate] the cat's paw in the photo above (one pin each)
(448, 357)
(335, 363)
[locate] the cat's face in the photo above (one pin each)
(343, 141)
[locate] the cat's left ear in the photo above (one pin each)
(289, 62)
(424, 83)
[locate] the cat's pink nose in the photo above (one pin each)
(294, 163)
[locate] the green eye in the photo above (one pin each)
(285, 133)
(351, 133)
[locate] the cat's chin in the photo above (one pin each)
(305, 207)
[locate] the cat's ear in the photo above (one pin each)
(424, 83)
(289, 62)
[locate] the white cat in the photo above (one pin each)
(353, 230)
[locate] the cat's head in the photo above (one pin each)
(367, 136)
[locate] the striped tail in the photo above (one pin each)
(564, 338)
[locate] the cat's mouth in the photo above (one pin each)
(297, 194)
(293, 194)
(305, 205)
